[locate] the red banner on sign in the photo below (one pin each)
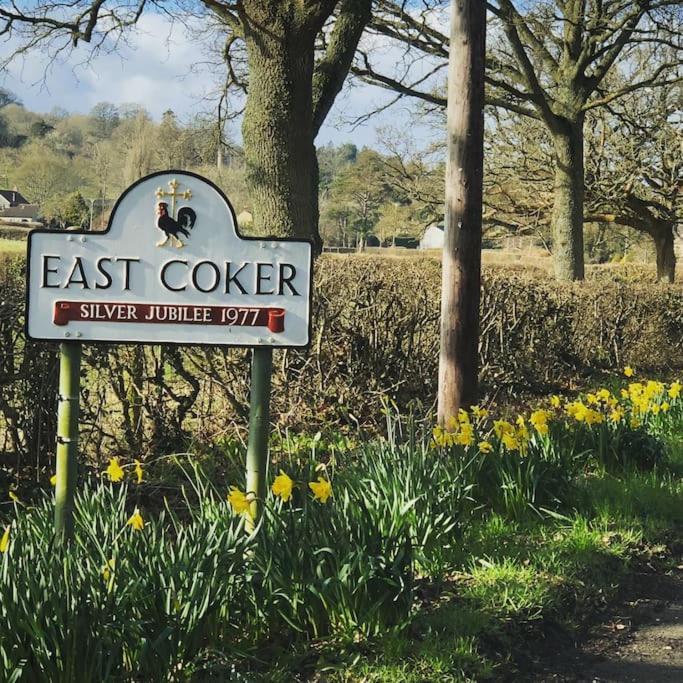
(180, 314)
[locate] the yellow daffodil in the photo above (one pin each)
(654, 388)
(675, 390)
(665, 407)
(136, 521)
(115, 471)
(238, 501)
(138, 471)
(4, 541)
(604, 395)
(459, 433)
(510, 441)
(501, 427)
(53, 480)
(635, 389)
(484, 447)
(282, 486)
(617, 415)
(322, 489)
(539, 420)
(479, 413)
(593, 417)
(629, 371)
(542, 429)
(108, 569)
(440, 437)
(465, 435)
(555, 401)
(577, 410)
(522, 430)
(14, 497)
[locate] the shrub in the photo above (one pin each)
(28, 375)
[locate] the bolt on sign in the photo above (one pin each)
(170, 268)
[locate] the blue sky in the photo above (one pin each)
(156, 73)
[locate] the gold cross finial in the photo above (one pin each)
(173, 184)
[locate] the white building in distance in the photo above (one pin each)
(433, 237)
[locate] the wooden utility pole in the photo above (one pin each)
(461, 280)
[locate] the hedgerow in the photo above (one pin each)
(375, 339)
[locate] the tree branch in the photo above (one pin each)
(369, 75)
(618, 219)
(647, 83)
(225, 12)
(330, 72)
(491, 101)
(511, 20)
(612, 51)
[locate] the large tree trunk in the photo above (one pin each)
(567, 216)
(666, 255)
(461, 279)
(278, 134)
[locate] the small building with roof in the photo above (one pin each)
(16, 209)
(433, 237)
(11, 198)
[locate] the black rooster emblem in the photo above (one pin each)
(172, 227)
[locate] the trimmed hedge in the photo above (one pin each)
(375, 339)
(12, 231)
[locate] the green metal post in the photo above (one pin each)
(67, 437)
(259, 428)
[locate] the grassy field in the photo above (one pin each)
(12, 246)
(528, 258)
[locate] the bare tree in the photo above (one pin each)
(635, 174)
(548, 60)
(518, 177)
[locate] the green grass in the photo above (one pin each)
(512, 576)
(519, 576)
(12, 246)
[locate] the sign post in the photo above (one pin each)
(67, 437)
(165, 272)
(259, 428)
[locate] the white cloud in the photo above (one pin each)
(153, 69)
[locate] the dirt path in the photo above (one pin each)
(640, 640)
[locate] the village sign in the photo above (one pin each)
(170, 268)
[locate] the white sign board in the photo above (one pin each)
(170, 268)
